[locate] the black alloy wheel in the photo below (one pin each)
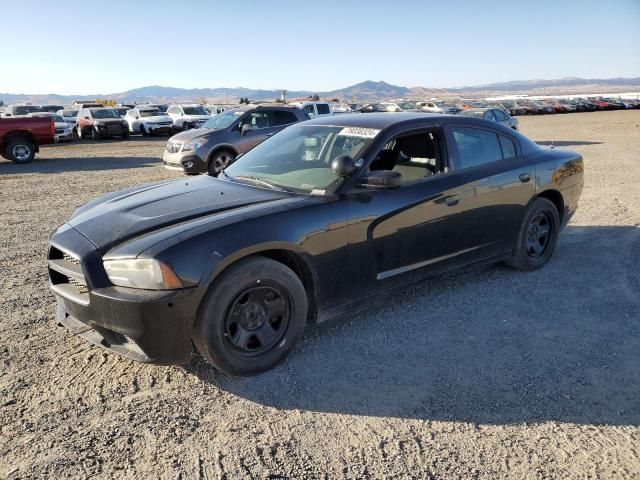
(257, 319)
(251, 317)
(537, 237)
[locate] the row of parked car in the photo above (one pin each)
(566, 105)
(93, 120)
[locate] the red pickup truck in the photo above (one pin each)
(21, 137)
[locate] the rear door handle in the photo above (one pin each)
(452, 200)
(525, 177)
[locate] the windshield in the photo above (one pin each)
(150, 113)
(222, 120)
(70, 113)
(106, 113)
(195, 111)
(407, 105)
(121, 111)
(57, 118)
(299, 157)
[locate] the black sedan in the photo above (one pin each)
(311, 223)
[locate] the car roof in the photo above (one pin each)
(387, 119)
(374, 120)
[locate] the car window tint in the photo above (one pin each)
(476, 146)
(508, 147)
(309, 110)
(280, 117)
(323, 108)
(500, 115)
(257, 120)
(489, 115)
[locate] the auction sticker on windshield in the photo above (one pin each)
(359, 132)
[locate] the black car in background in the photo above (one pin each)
(313, 222)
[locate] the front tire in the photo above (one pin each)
(251, 317)
(20, 150)
(537, 237)
(95, 135)
(219, 161)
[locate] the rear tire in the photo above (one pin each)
(537, 237)
(95, 135)
(20, 150)
(252, 316)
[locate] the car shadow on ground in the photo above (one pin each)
(490, 346)
(77, 164)
(566, 143)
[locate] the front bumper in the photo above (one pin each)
(153, 129)
(188, 162)
(143, 325)
(63, 137)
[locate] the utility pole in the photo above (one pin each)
(284, 96)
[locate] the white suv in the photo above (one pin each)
(314, 109)
(188, 116)
(148, 121)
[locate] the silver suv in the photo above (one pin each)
(217, 143)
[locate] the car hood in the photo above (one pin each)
(119, 216)
(192, 134)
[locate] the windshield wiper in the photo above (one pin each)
(260, 181)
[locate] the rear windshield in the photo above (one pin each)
(24, 110)
(70, 113)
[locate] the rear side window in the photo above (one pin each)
(508, 147)
(476, 146)
(309, 110)
(280, 117)
(500, 115)
(323, 108)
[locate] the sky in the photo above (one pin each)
(116, 45)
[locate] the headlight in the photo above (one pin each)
(187, 147)
(145, 273)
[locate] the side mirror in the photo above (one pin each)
(245, 128)
(382, 179)
(343, 166)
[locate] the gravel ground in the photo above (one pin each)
(487, 374)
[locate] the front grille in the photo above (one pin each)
(173, 147)
(164, 123)
(66, 276)
(59, 130)
(114, 128)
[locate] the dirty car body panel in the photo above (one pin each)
(349, 243)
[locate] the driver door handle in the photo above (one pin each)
(452, 200)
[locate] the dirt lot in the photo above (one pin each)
(489, 374)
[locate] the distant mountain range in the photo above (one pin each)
(368, 90)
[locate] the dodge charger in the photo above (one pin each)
(310, 224)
